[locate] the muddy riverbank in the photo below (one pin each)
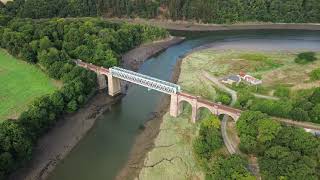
(60, 140)
(145, 140)
(134, 58)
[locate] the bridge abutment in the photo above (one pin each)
(174, 111)
(114, 87)
(102, 82)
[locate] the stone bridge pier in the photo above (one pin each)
(114, 86)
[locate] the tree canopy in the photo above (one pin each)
(53, 45)
(207, 11)
(283, 152)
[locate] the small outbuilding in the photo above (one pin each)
(231, 79)
(250, 79)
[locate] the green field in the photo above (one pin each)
(21, 83)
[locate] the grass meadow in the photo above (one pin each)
(274, 68)
(20, 84)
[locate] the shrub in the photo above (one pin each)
(15, 146)
(4, 19)
(315, 113)
(299, 114)
(305, 57)
(244, 96)
(232, 167)
(256, 129)
(280, 108)
(315, 74)
(315, 97)
(224, 99)
(282, 91)
(209, 139)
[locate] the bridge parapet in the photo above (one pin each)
(92, 67)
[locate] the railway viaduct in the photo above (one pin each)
(115, 74)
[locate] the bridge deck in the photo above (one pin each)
(144, 80)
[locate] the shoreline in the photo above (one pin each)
(55, 145)
(136, 57)
(144, 142)
(191, 26)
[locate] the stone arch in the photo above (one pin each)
(234, 117)
(204, 108)
(181, 104)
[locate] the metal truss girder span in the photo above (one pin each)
(146, 81)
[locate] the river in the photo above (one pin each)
(102, 153)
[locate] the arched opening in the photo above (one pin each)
(230, 117)
(184, 108)
(229, 129)
(204, 113)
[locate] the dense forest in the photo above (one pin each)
(283, 152)
(206, 11)
(216, 164)
(52, 45)
(301, 105)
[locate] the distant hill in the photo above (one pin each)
(205, 11)
(216, 11)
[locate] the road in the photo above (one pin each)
(232, 148)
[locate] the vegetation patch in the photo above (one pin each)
(215, 163)
(315, 74)
(284, 152)
(21, 84)
(172, 156)
(301, 106)
(305, 57)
